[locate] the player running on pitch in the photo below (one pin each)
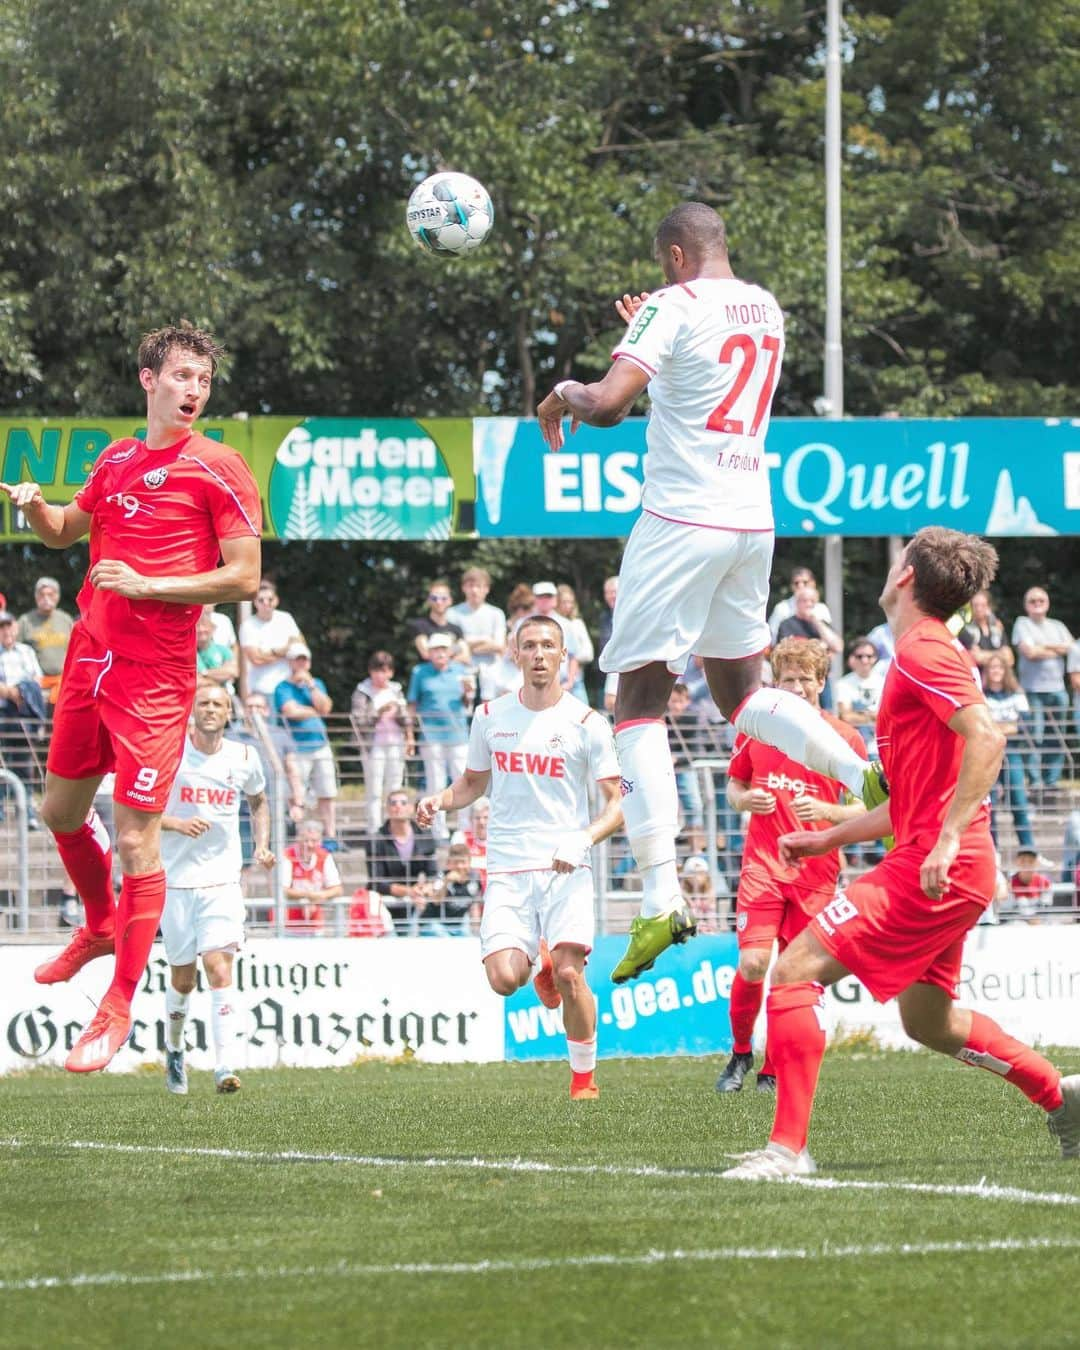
(539, 749)
(204, 905)
(175, 523)
(695, 572)
(900, 927)
(775, 902)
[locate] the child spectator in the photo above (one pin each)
(454, 898)
(1029, 889)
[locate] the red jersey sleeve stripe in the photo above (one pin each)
(636, 360)
(218, 479)
(932, 689)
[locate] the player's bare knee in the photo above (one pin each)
(183, 981)
(754, 963)
(503, 982)
(569, 979)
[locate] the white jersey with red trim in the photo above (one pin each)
(209, 786)
(713, 349)
(541, 764)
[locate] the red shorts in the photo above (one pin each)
(767, 908)
(888, 932)
(114, 713)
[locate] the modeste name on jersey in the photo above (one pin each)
(210, 787)
(540, 764)
(713, 349)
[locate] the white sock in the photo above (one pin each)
(582, 1055)
(227, 1026)
(789, 723)
(651, 810)
(176, 1006)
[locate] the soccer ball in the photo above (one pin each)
(450, 213)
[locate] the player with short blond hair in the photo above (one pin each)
(539, 750)
(774, 902)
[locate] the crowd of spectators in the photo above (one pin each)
(410, 732)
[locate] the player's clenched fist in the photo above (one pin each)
(427, 808)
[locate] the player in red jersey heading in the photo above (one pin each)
(900, 928)
(175, 523)
(776, 902)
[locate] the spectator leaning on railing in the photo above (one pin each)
(402, 864)
(383, 730)
(311, 878)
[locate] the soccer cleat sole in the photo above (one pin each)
(227, 1084)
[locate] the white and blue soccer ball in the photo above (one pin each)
(450, 213)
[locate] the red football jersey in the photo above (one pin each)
(929, 681)
(163, 513)
(763, 766)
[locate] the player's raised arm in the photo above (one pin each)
(56, 526)
(604, 403)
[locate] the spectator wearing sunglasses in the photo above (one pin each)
(436, 620)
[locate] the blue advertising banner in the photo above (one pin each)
(865, 476)
(678, 1008)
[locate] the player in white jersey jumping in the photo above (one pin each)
(539, 749)
(695, 572)
(204, 905)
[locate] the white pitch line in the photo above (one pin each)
(981, 1191)
(528, 1265)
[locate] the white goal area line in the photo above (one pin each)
(981, 1190)
(526, 1265)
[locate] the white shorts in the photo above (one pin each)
(317, 771)
(686, 589)
(201, 919)
(520, 908)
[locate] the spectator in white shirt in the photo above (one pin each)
(265, 638)
(483, 625)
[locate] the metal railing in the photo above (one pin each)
(36, 904)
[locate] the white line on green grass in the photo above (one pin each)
(525, 1265)
(980, 1191)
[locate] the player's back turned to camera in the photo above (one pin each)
(694, 578)
(161, 512)
(539, 749)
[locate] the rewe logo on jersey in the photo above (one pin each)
(201, 796)
(514, 761)
(798, 787)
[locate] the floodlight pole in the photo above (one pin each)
(834, 348)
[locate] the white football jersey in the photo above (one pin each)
(541, 764)
(713, 349)
(210, 786)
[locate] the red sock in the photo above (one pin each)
(797, 1047)
(87, 858)
(580, 1080)
(988, 1047)
(745, 1005)
(142, 899)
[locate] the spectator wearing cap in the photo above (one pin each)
(436, 620)
(22, 702)
(440, 693)
(302, 702)
(264, 639)
(47, 629)
(545, 602)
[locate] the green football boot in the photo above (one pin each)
(875, 791)
(650, 937)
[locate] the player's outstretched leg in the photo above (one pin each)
(789, 723)
(651, 813)
(87, 855)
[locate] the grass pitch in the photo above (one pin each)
(477, 1206)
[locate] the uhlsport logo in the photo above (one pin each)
(337, 478)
